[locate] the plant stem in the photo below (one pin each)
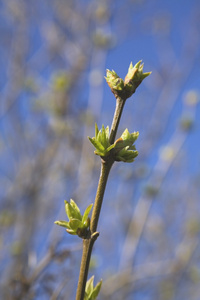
(105, 170)
(88, 243)
(85, 261)
(115, 123)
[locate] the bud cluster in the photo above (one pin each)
(78, 224)
(115, 83)
(122, 150)
(124, 147)
(101, 141)
(128, 86)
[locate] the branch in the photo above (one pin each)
(105, 170)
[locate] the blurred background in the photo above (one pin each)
(53, 59)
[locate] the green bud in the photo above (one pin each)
(126, 139)
(125, 88)
(101, 141)
(78, 224)
(92, 292)
(127, 154)
(115, 83)
(124, 148)
(134, 77)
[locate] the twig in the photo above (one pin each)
(105, 170)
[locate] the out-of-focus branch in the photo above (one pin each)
(144, 204)
(170, 267)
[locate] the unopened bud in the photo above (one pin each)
(115, 83)
(134, 78)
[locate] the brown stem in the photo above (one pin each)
(105, 170)
(85, 262)
(117, 116)
(88, 243)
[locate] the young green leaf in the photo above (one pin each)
(96, 291)
(75, 224)
(89, 286)
(86, 213)
(72, 212)
(71, 231)
(97, 144)
(75, 206)
(103, 137)
(62, 223)
(96, 130)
